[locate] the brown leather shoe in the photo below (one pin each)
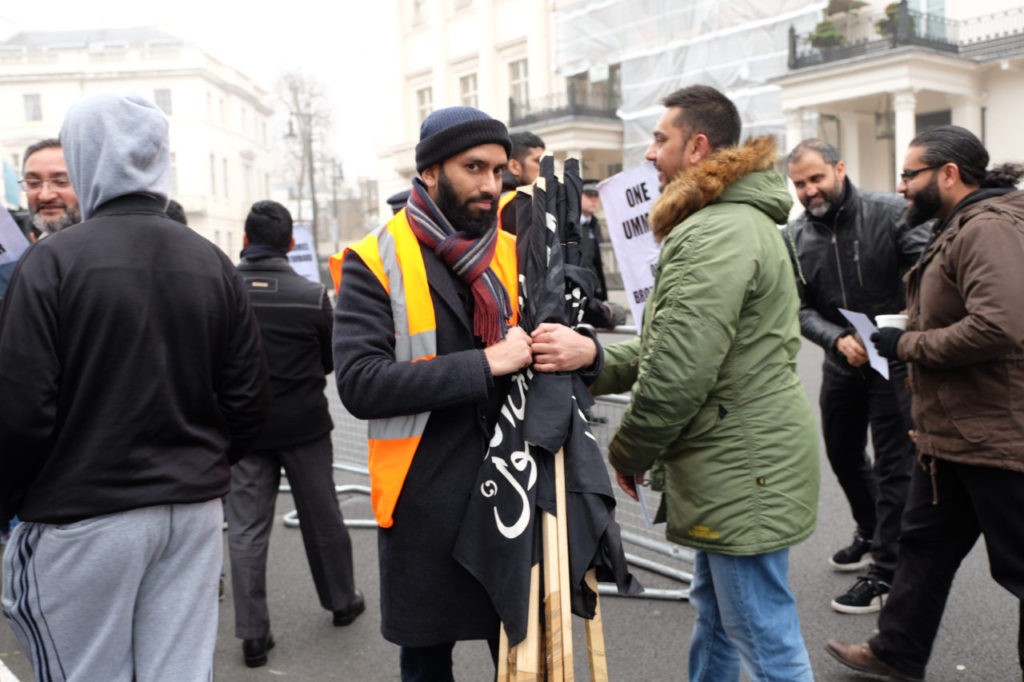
(861, 657)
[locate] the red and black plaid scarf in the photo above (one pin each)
(466, 257)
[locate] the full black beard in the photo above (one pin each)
(927, 204)
(460, 215)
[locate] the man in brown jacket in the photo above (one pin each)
(964, 344)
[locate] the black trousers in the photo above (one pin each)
(250, 514)
(434, 663)
(972, 500)
(851, 404)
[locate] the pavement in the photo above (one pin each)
(645, 639)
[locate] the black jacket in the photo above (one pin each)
(294, 315)
(427, 597)
(855, 261)
(130, 364)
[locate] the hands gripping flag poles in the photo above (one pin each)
(542, 510)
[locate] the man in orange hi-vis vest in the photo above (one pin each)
(425, 343)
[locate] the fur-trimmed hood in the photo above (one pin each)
(713, 177)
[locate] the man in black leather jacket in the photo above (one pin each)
(294, 318)
(850, 250)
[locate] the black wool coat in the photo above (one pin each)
(426, 597)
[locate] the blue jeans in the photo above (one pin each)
(745, 613)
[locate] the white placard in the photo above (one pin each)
(863, 325)
(627, 199)
(302, 258)
(12, 240)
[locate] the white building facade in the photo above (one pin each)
(588, 76)
(496, 55)
(219, 117)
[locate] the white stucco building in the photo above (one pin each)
(219, 117)
(497, 55)
(588, 76)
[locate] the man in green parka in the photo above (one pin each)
(718, 413)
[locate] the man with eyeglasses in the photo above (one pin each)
(964, 345)
(52, 206)
(850, 250)
(52, 203)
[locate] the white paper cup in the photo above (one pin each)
(898, 321)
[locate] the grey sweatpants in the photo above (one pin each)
(125, 596)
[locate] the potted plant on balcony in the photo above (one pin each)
(889, 25)
(826, 35)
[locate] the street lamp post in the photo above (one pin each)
(305, 120)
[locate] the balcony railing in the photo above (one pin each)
(852, 35)
(562, 105)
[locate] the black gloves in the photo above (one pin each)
(886, 340)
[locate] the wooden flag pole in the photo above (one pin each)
(565, 587)
(553, 632)
(505, 655)
(595, 634)
(529, 654)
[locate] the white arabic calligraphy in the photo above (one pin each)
(520, 462)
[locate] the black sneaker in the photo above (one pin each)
(866, 596)
(853, 558)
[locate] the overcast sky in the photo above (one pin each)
(337, 43)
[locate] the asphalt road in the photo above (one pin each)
(645, 639)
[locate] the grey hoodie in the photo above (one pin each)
(115, 145)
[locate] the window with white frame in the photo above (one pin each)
(424, 102)
(33, 108)
(162, 98)
(519, 82)
(467, 90)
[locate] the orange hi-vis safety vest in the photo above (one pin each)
(503, 201)
(392, 253)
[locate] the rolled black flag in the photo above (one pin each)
(499, 538)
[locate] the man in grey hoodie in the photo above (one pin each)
(131, 371)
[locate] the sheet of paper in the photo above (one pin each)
(644, 511)
(862, 323)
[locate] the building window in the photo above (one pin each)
(519, 83)
(424, 102)
(33, 108)
(467, 90)
(162, 98)
(224, 174)
(213, 175)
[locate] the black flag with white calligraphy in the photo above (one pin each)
(499, 538)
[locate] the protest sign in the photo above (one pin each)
(627, 199)
(302, 258)
(12, 240)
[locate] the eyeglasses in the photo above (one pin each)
(911, 174)
(61, 182)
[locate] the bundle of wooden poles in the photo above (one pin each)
(545, 655)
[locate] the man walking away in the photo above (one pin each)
(294, 317)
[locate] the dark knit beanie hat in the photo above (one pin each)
(446, 132)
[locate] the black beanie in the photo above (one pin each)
(446, 132)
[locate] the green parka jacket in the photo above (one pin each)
(716, 400)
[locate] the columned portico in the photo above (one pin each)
(904, 105)
(903, 83)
